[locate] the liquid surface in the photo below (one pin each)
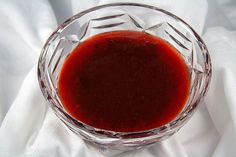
(124, 81)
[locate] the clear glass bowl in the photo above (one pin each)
(124, 16)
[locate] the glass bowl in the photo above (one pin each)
(124, 16)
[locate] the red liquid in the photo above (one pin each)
(124, 81)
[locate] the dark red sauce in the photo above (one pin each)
(124, 81)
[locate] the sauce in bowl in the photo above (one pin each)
(124, 81)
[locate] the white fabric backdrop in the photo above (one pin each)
(29, 128)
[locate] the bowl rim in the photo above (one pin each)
(176, 123)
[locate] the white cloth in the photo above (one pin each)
(29, 128)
